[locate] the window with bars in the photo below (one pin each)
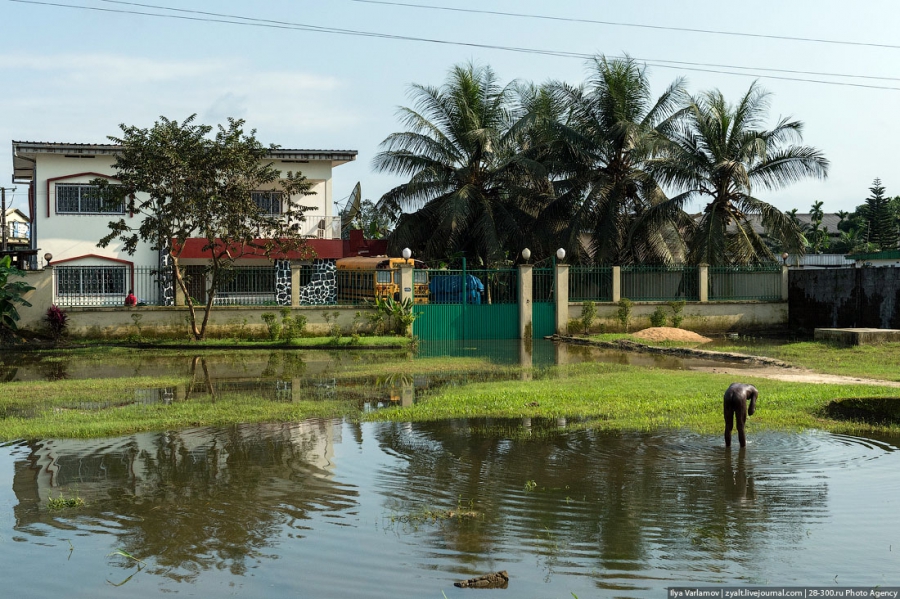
(91, 280)
(268, 201)
(81, 198)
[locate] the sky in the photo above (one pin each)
(74, 75)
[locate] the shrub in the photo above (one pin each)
(677, 316)
(588, 313)
(292, 326)
(658, 318)
(271, 324)
(624, 312)
(11, 294)
(57, 321)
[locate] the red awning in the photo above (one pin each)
(324, 248)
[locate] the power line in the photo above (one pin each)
(286, 25)
(625, 24)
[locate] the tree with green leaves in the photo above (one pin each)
(459, 156)
(723, 155)
(816, 235)
(184, 183)
(598, 152)
(11, 293)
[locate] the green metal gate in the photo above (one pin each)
(543, 310)
(469, 304)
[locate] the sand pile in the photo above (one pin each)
(670, 334)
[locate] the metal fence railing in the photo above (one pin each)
(361, 287)
(661, 283)
(542, 285)
(247, 286)
(590, 283)
(479, 286)
(87, 286)
(761, 282)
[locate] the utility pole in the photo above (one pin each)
(3, 218)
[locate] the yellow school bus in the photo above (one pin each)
(360, 279)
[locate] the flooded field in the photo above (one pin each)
(331, 509)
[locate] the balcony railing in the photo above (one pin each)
(321, 227)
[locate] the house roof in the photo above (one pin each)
(830, 221)
(25, 153)
(324, 248)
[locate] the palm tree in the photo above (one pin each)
(722, 154)
(597, 152)
(462, 166)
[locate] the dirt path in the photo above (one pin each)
(796, 375)
(763, 367)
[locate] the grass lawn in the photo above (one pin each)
(625, 397)
(608, 396)
(866, 361)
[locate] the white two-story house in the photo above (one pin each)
(68, 219)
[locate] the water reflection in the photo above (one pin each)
(276, 509)
(189, 501)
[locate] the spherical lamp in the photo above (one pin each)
(526, 254)
(406, 253)
(48, 257)
(560, 254)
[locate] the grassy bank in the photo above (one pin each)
(609, 396)
(624, 397)
(866, 361)
(870, 361)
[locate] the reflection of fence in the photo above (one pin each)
(660, 283)
(758, 282)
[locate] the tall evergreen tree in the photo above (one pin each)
(881, 225)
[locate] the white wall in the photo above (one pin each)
(68, 236)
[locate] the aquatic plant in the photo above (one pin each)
(62, 502)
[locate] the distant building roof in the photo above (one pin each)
(24, 153)
(830, 221)
(884, 255)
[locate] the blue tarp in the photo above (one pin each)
(448, 289)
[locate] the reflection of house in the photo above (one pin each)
(95, 469)
(70, 217)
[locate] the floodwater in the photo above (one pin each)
(332, 509)
(327, 508)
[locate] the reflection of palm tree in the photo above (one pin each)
(723, 156)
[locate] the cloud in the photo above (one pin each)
(83, 97)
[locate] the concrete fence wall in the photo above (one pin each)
(172, 321)
(844, 297)
(246, 321)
